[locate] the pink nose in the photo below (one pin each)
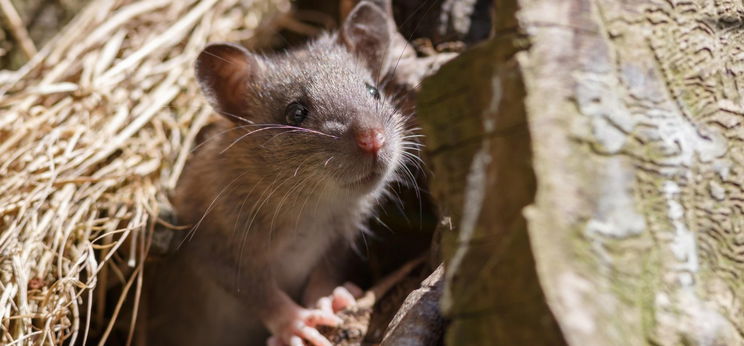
(370, 140)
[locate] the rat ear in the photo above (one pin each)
(367, 33)
(223, 71)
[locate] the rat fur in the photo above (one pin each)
(305, 148)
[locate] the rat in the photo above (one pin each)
(306, 146)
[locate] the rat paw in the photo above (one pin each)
(301, 326)
(341, 298)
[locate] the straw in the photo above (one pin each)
(94, 131)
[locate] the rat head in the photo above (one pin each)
(315, 113)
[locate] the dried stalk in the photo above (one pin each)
(94, 130)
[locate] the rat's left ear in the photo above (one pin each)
(224, 71)
(367, 32)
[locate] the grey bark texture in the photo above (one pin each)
(600, 142)
(419, 321)
(478, 145)
(636, 108)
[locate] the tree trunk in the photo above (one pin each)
(472, 112)
(631, 113)
(635, 109)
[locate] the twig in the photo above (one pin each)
(382, 287)
(18, 29)
(419, 321)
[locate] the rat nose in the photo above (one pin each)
(370, 140)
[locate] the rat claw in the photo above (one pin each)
(296, 341)
(325, 304)
(313, 336)
(299, 329)
(274, 341)
(342, 299)
(320, 317)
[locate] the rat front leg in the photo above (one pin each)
(321, 282)
(323, 291)
(324, 287)
(262, 297)
(290, 323)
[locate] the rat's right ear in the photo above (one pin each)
(367, 32)
(223, 71)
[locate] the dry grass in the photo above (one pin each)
(94, 130)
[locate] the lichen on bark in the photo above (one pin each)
(634, 107)
(634, 110)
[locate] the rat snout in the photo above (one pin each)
(370, 140)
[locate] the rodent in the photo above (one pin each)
(305, 147)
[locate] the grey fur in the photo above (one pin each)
(269, 203)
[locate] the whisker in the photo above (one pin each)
(286, 195)
(243, 137)
(252, 219)
(248, 195)
(216, 136)
(236, 117)
(414, 30)
(218, 57)
(315, 188)
(191, 232)
(325, 164)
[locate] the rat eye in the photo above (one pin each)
(295, 113)
(373, 91)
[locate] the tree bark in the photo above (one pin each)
(635, 108)
(617, 125)
(419, 321)
(472, 112)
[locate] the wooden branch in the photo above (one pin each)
(419, 320)
(356, 319)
